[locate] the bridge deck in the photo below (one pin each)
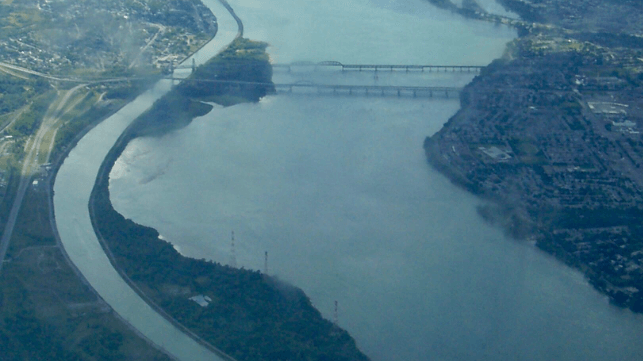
(376, 67)
(307, 87)
(390, 90)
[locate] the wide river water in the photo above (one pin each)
(337, 190)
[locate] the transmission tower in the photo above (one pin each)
(335, 315)
(233, 255)
(265, 264)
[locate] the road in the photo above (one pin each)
(29, 165)
(33, 72)
(4, 66)
(161, 30)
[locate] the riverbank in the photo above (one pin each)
(548, 133)
(249, 315)
(72, 190)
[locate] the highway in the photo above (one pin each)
(30, 165)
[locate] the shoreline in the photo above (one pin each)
(102, 182)
(61, 159)
(56, 164)
(559, 183)
(61, 156)
(127, 244)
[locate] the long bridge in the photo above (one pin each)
(367, 67)
(382, 90)
(307, 87)
(300, 87)
(375, 67)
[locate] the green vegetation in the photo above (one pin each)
(29, 121)
(252, 316)
(242, 73)
(16, 92)
(46, 312)
(243, 61)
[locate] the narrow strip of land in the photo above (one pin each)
(72, 189)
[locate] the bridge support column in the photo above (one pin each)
(398, 93)
(415, 94)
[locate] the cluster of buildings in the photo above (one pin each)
(558, 141)
(103, 35)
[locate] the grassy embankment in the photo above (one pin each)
(252, 316)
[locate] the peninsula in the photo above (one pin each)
(236, 313)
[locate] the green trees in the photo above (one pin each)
(251, 316)
(242, 71)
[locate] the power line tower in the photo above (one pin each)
(265, 264)
(233, 255)
(335, 315)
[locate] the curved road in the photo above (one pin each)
(72, 188)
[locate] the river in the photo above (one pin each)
(337, 190)
(72, 189)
